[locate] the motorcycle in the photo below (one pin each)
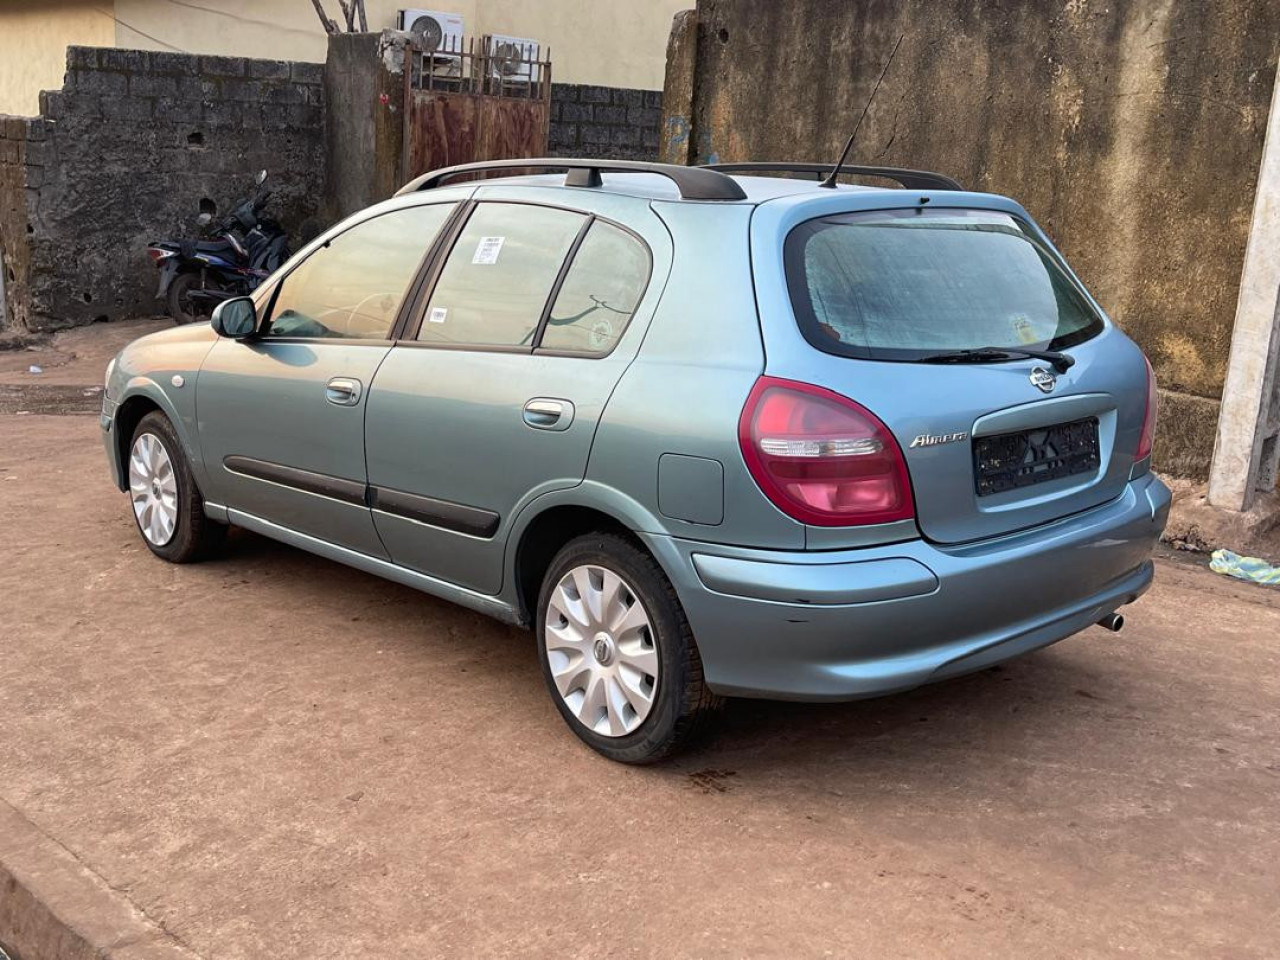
(239, 252)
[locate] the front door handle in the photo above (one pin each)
(344, 391)
(547, 413)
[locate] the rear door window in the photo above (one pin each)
(906, 284)
(496, 282)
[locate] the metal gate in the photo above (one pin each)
(464, 105)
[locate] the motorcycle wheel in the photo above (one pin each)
(182, 308)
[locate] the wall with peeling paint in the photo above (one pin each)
(1132, 131)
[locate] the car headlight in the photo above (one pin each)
(106, 383)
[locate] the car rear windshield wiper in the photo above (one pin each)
(1060, 361)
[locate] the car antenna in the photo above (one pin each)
(830, 182)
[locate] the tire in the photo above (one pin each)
(181, 307)
(156, 493)
(579, 650)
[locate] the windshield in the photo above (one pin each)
(907, 284)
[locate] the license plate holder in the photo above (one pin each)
(1011, 461)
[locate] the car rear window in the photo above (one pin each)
(907, 284)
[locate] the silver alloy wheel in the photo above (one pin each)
(154, 489)
(601, 650)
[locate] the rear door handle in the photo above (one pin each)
(344, 391)
(547, 413)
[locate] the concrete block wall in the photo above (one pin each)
(610, 122)
(14, 222)
(123, 154)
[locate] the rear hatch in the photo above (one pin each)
(892, 305)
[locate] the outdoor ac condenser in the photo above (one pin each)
(436, 32)
(513, 59)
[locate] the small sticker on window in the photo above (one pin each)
(1024, 330)
(437, 314)
(487, 250)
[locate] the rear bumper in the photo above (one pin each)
(841, 625)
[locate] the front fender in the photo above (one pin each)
(148, 392)
(160, 370)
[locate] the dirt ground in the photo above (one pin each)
(274, 756)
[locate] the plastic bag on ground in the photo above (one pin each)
(1244, 568)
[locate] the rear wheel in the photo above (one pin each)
(167, 505)
(182, 308)
(617, 653)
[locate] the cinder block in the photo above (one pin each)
(198, 88)
(624, 136)
(52, 105)
(129, 61)
(604, 113)
(221, 66)
(575, 111)
(306, 72)
(653, 98)
(38, 154)
(249, 91)
(643, 116)
(284, 93)
(144, 85)
(81, 105)
(564, 92)
(127, 108)
(223, 112)
(100, 82)
(182, 64)
(178, 111)
(274, 116)
(82, 58)
(563, 134)
(628, 97)
(590, 94)
(268, 69)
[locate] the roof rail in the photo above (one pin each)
(911, 179)
(694, 183)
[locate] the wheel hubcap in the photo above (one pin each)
(154, 489)
(601, 650)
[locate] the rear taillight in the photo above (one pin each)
(821, 458)
(157, 254)
(1147, 439)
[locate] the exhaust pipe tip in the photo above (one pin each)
(1113, 622)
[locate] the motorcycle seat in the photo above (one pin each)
(217, 247)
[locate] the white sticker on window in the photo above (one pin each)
(437, 315)
(487, 250)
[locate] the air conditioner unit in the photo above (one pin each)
(513, 59)
(439, 34)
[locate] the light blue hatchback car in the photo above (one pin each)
(712, 432)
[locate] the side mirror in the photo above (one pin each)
(235, 319)
(261, 178)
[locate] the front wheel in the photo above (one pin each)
(183, 308)
(617, 652)
(167, 505)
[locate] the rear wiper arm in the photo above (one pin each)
(1059, 361)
